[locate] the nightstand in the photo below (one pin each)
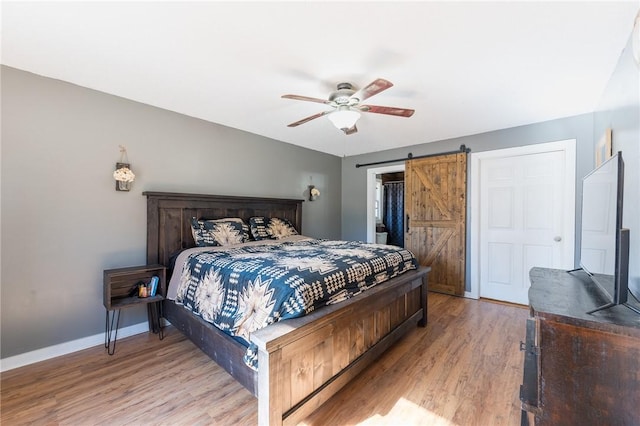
(118, 285)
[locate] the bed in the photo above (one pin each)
(302, 361)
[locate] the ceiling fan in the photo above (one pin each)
(347, 107)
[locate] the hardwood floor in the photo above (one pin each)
(464, 368)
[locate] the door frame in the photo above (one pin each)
(569, 148)
(371, 196)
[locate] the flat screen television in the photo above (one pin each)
(604, 248)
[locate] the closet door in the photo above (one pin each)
(435, 221)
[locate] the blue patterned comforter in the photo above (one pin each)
(247, 287)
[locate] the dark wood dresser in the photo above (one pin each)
(579, 369)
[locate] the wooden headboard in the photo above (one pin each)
(169, 217)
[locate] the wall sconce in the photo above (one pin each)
(123, 174)
(314, 193)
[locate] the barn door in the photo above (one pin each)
(435, 222)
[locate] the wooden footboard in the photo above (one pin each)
(304, 361)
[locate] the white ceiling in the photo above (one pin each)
(465, 67)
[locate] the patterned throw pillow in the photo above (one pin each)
(264, 228)
(220, 232)
(246, 236)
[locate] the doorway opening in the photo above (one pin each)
(377, 224)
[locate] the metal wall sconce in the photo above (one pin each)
(314, 193)
(123, 175)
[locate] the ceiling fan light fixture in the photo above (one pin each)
(344, 117)
(346, 102)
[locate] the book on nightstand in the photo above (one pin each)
(153, 286)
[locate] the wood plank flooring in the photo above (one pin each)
(464, 368)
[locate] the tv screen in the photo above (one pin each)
(604, 249)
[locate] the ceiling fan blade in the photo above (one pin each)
(350, 131)
(400, 112)
(372, 89)
(311, 117)
(306, 98)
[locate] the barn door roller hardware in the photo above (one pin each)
(410, 156)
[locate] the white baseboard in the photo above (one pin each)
(471, 295)
(66, 348)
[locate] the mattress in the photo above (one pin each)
(244, 287)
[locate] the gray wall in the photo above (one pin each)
(619, 109)
(63, 222)
(354, 180)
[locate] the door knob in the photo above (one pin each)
(557, 239)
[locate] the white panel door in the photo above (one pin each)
(522, 209)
